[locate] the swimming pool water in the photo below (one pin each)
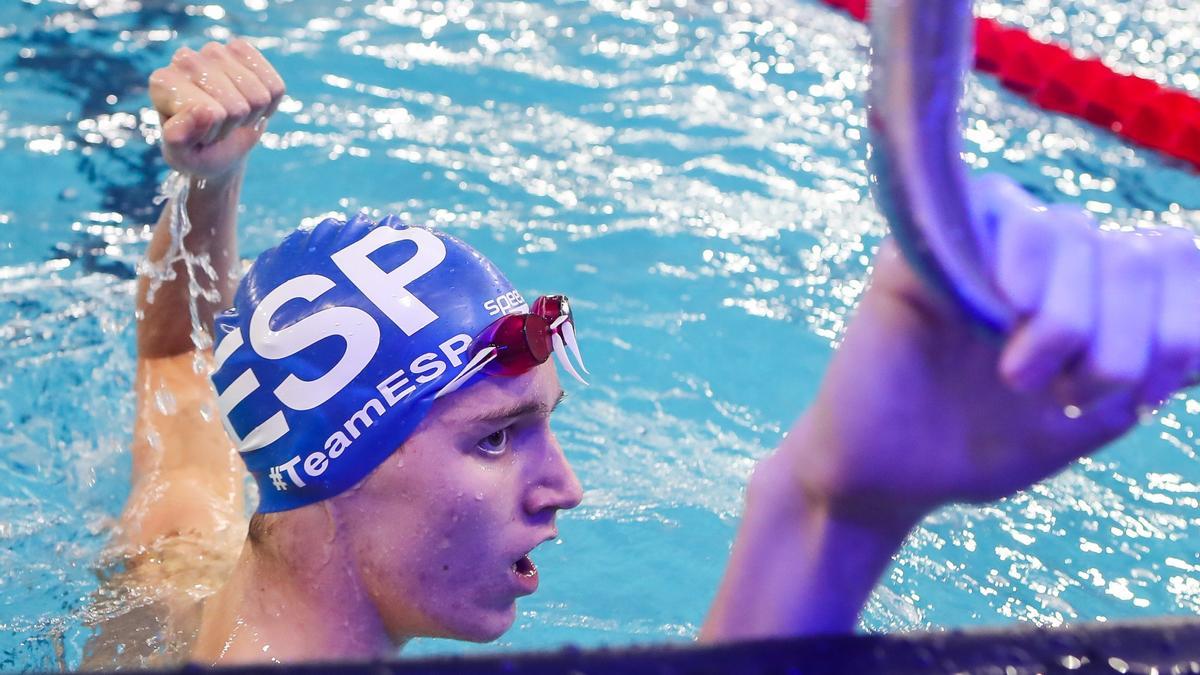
(690, 173)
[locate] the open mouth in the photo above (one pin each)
(524, 567)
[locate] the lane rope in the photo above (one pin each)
(1051, 77)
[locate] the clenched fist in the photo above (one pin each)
(213, 105)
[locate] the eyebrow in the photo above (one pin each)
(518, 409)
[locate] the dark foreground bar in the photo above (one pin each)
(1162, 647)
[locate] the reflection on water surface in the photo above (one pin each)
(691, 173)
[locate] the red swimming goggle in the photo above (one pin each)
(515, 343)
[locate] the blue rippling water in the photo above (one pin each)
(691, 173)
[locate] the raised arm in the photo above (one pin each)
(213, 105)
(919, 409)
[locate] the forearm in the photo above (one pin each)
(797, 566)
(185, 471)
(186, 476)
(165, 323)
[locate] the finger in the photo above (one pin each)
(1025, 242)
(193, 124)
(254, 61)
(247, 83)
(994, 195)
(1127, 311)
(192, 113)
(188, 62)
(1047, 344)
(1177, 338)
(237, 109)
(168, 89)
(1013, 221)
(207, 75)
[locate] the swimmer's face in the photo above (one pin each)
(442, 528)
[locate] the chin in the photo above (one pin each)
(485, 626)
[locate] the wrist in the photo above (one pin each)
(209, 199)
(218, 182)
(848, 558)
(832, 485)
(798, 567)
(824, 517)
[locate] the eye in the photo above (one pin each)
(494, 443)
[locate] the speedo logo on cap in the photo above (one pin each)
(386, 290)
(506, 303)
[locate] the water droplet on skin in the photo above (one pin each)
(479, 497)
(153, 440)
(200, 365)
(164, 401)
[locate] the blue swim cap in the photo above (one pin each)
(336, 344)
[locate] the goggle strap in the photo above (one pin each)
(560, 352)
(473, 366)
(568, 333)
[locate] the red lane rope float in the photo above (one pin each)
(1137, 109)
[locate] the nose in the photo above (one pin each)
(555, 486)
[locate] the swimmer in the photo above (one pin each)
(388, 388)
(391, 398)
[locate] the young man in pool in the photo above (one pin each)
(387, 386)
(399, 434)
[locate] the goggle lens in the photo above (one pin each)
(521, 341)
(517, 343)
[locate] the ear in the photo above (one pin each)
(301, 537)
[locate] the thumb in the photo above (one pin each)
(896, 280)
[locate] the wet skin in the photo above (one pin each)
(439, 530)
